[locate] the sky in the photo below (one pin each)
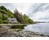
(36, 11)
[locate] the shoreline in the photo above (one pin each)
(17, 33)
(6, 31)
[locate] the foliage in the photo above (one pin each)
(0, 21)
(18, 16)
(27, 20)
(5, 21)
(24, 19)
(0, 15)
(6, 13)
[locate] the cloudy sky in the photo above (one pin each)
(36, 11)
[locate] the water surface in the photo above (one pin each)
(39, 27)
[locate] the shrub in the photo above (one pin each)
(0, 21)
(5, 21)
(18, 26)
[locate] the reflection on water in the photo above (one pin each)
(39, 27)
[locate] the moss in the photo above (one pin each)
(5, 21)
(1, 21)
(0, 15)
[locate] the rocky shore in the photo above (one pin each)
(7, 32)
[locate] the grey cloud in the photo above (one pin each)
(45, 18)
(38, 7)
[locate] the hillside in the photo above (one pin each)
(6, 13)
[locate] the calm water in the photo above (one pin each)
(39, 27)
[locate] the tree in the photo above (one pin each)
(27, 19)
(18, 16)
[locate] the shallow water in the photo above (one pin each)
(39, 27)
